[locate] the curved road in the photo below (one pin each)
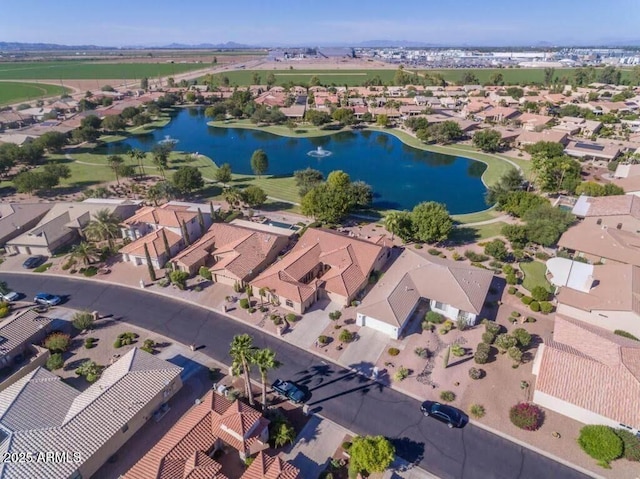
(349, 399)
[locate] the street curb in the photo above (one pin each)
(325, 358)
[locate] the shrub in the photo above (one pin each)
(427, 326)
(526, 416)
(422, 353)
(601, 443)
(127, 338)
(149, 346)
(481, 356)
(625, 334)
(57, 342)
(434, 251)
(543, 256)
(515, 314)
(631, 445)
(512, 290)
(516, 354)
(491, 327)
(82, 320)
(433, 317)
(244, 303)
(90, 370)
(90, 271)
(179, 278)
(417, 246)
(477, 411)
(334, 315)
(475, 257)
(511, 278)
(546, 307)
(393, 351)
(346, 336)
(4, 310)
(54, 362)
(42, 268)
(292, 318)
(523, 336)
(526, 300)
(447, 396)
(263, 309)
(504, 342)
(539, 293)
(519, 294)
(117, 343)
(461, 324)
(164, 282)
(277, 320)
(458, 351)
(456, 256)
(488, 337)
(448, 325)
(534, 306)
(89, 343)
(323, 339)
(475, 373)
(205, 273)
(252, 310)
(531, 319)
(346, 445)
(401, 374)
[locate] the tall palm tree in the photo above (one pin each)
(115, 163)
(391, 223)
(138, 156)
(85, 252)
(105, 226)
(241, 352)
(265, 360)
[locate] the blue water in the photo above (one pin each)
(401, 176)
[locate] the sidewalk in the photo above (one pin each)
(214, 303)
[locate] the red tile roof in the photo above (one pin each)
(269, 467)
(168, 215)
(154, 242)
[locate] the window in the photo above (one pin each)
(124, 428)
(289, 303)
(439, 305)
(619, 226)
(599, 222)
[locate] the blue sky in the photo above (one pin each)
(311, 22)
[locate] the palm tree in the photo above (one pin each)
(262, 292)
(233, 196)
(105, 226)
(284, 434)
(391, 223)
(85, 252)
(115, 163)
(242, 351)
(138, 156)
(265, 360)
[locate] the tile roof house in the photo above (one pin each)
(627, 177)
(591, 151)
(236, 253)
(270, 467)
(609, 297)
(619, 211)
(150, 225)
(91, 425)
(18, 217)
(186, 450)
(323, 262)
(452, 289)
(590, 375)
(62, 224)
(532, 137)
(533, 122)
(498, 114)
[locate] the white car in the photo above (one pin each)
(10, 297)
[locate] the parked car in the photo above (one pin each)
(288, 390)
(9, 297)
(33, 261)
(447, 414)
(47, 299)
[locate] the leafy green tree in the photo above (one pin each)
(344, 116)
(361, 194)
(382, 120)
(265, 360)
(332, 200)
(399, 223)
(242, 352)
(545, 149)
(496, 79)
(57, 342)
(487, 140)
(271, 79)
(259, 162)
(179, 278)
(371, 454)
(254, 196)
(144, 83)
(161, 153)
(539, 293)
(187, 179)
(317, 117)
(52, 141)
(431, 222)
(517, 203)
(91, 121)
(591, 188)
(444, 132)
(504, 342)
(512, 180)
(545, 224)
(105, 226)
(113, 123)
(469, 78)
(223, 174)
(58, 170)
(516, 234)
(307, 179)
(497, 249)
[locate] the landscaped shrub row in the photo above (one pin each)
(475, 257)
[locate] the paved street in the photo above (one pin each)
(349, 399)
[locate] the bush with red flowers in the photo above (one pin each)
(526, 416)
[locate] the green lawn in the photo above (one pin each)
(485, 215)
(534, 275)
(473, 234)
(14, 92)
(359, 77)
(81, 70)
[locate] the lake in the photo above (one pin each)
(401, 176)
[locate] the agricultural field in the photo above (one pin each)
(14, 92)
(79, 70)
(358, 77)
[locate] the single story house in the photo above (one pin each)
(19, 333)
(91, 425)
(531, 137)
(212, 424)
(323, 263)
(234, 254)
(60, 227)
(533, 122)
(18, 217)
(572, 274)
(619, 211)
(590, 375)
(454, 290)
(591, 151)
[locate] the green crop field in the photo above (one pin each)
(79, 70)
(13, 92)
(358, 77)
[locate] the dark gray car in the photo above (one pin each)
(447, 414)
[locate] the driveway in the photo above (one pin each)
(315, 321)
(364, 353)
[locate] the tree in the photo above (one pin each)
(179, 278)
(242, 352)
(487, 140)
(517, 203)
(105, 226)
(545, 149)
(91, 121)
(504, 342)
(161, 156)
(556, 173)
(332, 200)
(317, 117)
(52, 141)
(431, 222)
(591, 188)
(545, 224)
(223, 174)
(516, 234)
(152, 271)
(82, 320)
(187, 178)
(284, 434)
(203, 226)
(307, 179)
(539, 293)
(371, 454)
(259, 162)
(34, 181)
(548, 75)
(496, 79)
(271, 79)
(165, 242)
(382, 120)
(523, 336)
(344, 116)
(138, 156)
(265, 360)
(254, 196)
(399, 223)
(85, 252)
(469, 78)
(185, 233)
(144, 83)
(496, 249)
(113, 123)
(57, 342)
(115, 162)
(512, 180)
